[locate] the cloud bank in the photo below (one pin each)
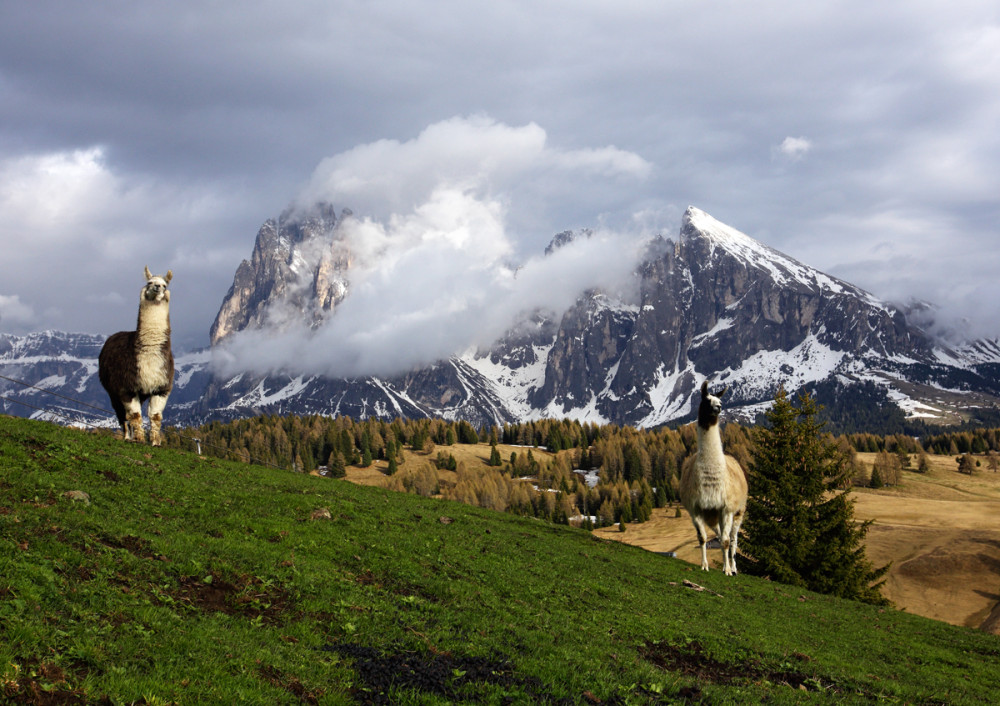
(436, 273)
(214, 118)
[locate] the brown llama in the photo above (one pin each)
(713, 485)
(135, 366)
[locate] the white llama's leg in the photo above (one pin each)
(133, 421)
(157, 403)
(724, 532)
(699, 527)
(734, 538)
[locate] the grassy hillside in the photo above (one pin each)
(188, 580)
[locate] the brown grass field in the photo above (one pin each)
(939, 530)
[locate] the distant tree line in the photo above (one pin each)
(638, 469)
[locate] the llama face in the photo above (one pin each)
(710, 407)
(156, 287)
(156, 290)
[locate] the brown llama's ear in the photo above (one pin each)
(723, 392)
(149, 275)
(704, 389)
(169, 276)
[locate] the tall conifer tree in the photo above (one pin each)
(800, 526)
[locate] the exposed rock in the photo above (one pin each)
(77, 496)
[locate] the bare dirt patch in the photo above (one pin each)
(242, 595)
(440, 673)
(692, 661)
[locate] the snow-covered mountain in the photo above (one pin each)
(714, 303)
(53, 375)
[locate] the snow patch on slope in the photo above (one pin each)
(670, 397)
(260, 397)
(810, 361)
(720, 325)
(512, 385)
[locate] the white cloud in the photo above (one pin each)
(84, 230)
(433, 246)
(14, 314)
(389, 176)
(794, 148)
(427, 285)
(48, 193)
(901, 100)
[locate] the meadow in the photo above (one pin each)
(130, 574)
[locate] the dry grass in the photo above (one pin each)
(940, 530)
(472, 455)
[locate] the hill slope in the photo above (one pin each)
(192, 580)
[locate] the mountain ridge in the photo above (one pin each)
(714, 303)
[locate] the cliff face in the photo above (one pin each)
(280, 279)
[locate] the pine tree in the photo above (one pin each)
(337, 465)
(800, 527)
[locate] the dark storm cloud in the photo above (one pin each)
(858, 137)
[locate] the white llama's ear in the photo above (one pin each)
(169, 276)
(704, 389)
(723, 392)
(149, 275)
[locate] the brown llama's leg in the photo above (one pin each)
(735, 538)
(156, 406)
(133, 421)
(154, 429)
(724, 532)
(136, 432)
(702, 531)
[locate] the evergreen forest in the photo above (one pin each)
(540, 468)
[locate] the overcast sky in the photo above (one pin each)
(858, 137)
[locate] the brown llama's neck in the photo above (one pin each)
(153, 327)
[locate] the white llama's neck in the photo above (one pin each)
(710, 454)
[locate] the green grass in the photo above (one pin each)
(188, 580)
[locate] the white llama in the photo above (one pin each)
(713, 485)
(135, 366)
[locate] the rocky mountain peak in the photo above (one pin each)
(706, 240)
(299, 265)
(565, 238)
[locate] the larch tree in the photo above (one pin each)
(800, 527)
